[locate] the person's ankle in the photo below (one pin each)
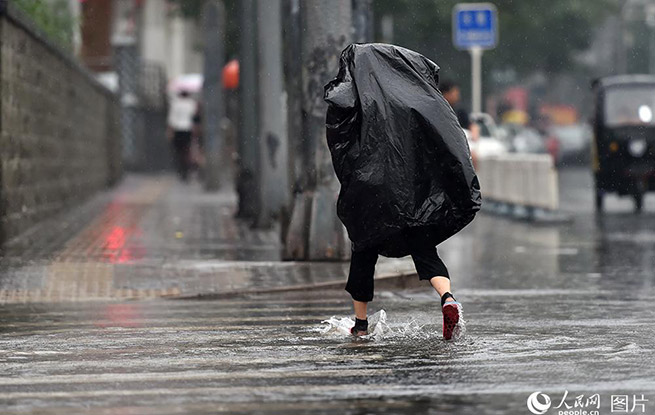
(447, 297)
(360, 328)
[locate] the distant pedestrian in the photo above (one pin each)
(180, 130)
(452, 94)
(407, 181)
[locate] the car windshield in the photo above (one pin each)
(630, 105)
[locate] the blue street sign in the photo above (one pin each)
(475, 25)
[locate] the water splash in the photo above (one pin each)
(460, 329)
(377, 325)
(380, 328)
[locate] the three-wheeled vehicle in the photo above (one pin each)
(623, 150)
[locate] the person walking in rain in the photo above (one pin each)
(180, 130)
(407, 179)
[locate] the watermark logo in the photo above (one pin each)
(539, 403)
(536, 406)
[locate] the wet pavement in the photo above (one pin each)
(565, 310)
(156, 237)
(271, 355)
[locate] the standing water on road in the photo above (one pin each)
(273, 353)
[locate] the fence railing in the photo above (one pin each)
(528, 180)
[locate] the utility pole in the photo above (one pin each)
(475, 28)
(476, 79)
(650, 22)
(293, 82)
(212, 90)
(273, 144)
(247, 181)
(315, 232)
(128, 67)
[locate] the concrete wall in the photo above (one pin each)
(59, 133)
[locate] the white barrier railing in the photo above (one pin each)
(528, 180)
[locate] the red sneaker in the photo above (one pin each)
(451, 319)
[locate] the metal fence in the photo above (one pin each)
(142, 88)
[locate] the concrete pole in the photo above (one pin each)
(650, 22)
(247, 183)
(212, 90)
(363, 21)
(128, 67)
(75, 9)
(293, 82)
(622, 55)
(273, 143)
(476, 79)
(386, 26)
(315, 232)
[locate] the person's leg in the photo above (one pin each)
(360, 286)
(360, 309)
(442, 286)
(186, 154)
(430, 267)
(178, 152)
(426, 260)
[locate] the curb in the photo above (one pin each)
(403, 280)
(526, 214)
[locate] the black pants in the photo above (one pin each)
(362, 265)
(182, 147)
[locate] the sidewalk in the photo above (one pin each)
(151, 237)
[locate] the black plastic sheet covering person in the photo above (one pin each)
(398, 150)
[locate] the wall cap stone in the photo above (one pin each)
(11, 13)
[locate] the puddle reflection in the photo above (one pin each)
(121, 315)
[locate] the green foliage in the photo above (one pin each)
(547, 34)
(533, 34)
(52, 17)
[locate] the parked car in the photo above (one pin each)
(528, 140)
(522, 139)
(571, 144)
(488, 142)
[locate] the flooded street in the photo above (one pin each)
(271, 355)
(182, 183)
(561, 309)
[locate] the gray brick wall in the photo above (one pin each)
(59, 138)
